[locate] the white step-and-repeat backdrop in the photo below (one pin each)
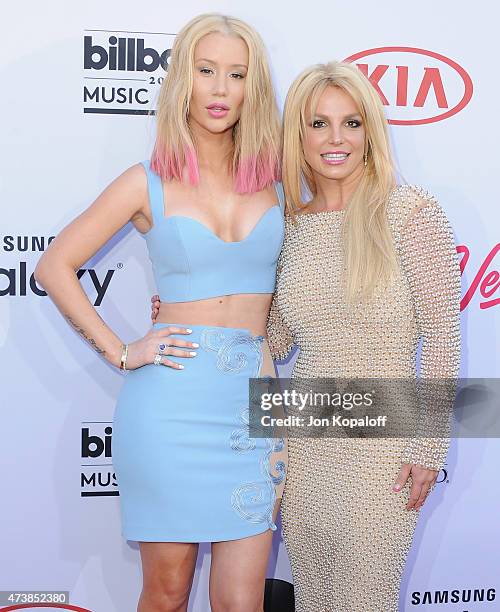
(77, 81)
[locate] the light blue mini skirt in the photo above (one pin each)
(186, 468)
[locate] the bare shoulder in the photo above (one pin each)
(129, 190)
(132, 181)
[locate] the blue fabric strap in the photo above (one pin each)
(155, 190)
(281, 195)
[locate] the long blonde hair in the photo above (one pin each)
(368, 243)
(256, 135)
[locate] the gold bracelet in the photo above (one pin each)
(123, 360)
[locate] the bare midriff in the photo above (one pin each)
(247, 311)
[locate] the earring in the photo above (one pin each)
(365, 157)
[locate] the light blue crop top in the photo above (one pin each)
(191, 263)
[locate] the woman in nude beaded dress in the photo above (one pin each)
(367, 269)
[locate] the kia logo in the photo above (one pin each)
(417, 86)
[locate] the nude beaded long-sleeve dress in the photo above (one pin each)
(346, 532)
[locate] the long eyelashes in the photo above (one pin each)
(236, 75)
(319, 123)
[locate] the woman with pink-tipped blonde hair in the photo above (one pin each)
(209, 208)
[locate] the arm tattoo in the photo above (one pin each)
(82, 332)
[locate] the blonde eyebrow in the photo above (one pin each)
(353, 116)
(205, 59)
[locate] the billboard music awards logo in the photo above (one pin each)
(416, 85)
(97, 477)
(123, 71)
(18, 279)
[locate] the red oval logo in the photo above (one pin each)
(417, 86)
(44, 606)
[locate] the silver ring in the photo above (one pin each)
(157, 359)
(162, 347)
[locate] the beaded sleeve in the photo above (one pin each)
(279, 336)
(430, 263)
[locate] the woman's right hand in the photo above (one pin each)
(143, 351)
